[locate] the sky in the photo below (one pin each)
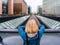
(34, 4)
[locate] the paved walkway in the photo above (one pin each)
(47, 39)
(34, 17)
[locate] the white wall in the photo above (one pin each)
(51, 6)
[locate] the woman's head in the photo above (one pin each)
(31, 26)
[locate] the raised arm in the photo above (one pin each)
(41, 30)
(21, 32)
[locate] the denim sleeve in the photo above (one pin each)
(41, 30)
(21, 32)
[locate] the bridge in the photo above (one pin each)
(9, 31)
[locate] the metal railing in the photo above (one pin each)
(50, 23)
(12, 24)
(16, 30)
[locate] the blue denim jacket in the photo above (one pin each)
(33, 40)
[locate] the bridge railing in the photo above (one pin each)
(49, 22)
(6, 17)
(16, 30)
(12, 24)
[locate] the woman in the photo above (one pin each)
(31, 33)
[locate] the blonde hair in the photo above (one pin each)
(31, 26)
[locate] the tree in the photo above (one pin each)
(39, 10)
(4, 8)
(29, 10)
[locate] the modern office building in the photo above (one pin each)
(51, 7)
(13, 7)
